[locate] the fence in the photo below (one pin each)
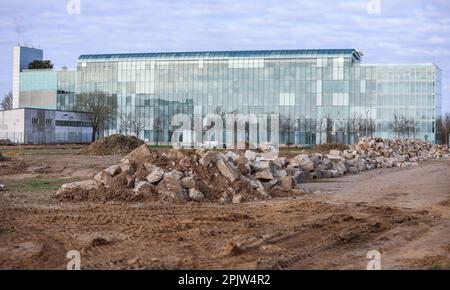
(15, 137)
(46, 137)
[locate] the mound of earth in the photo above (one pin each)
(113, 145)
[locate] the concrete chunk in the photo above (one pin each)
(195, 194)
(188, 182)
(287, 182)
(304, 162)
(113, 170)
(84, 186)
(103, 178)
(264, 175)
(227, 170)
(156, 173)
(207, 158)
(171, 187)
(138, 154)
(250, 155)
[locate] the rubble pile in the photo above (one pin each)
(190, 175)
(370, 153)
(218, 176)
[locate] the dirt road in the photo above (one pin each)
(402, 212)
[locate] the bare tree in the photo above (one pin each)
(320, 128)
(329, 129)
(130, 124)
(443, 128)
(158, 127)
(403, 126)
(310, 127)
(370, 127)
(124, 123)
(7, 101)
(137, 126)
(287, 128)
(397, 125)
(365, 127)
(98, 106)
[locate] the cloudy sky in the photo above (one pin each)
(400, 31)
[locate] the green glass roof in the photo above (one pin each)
(295, 53)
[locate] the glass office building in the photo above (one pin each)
(320, 95)
(317, 93)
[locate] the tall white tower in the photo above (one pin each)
(22, 57)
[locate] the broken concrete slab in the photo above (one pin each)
(113, 170)
(143, 188)
(170, 186)
(103, 178)
(138, 154)
(195, 194)
(238, 198)
(83, 187)
(188, 182)
(264, 175)
(156, 173)
(226, 169)
(207, 158)
(233, 157)
(304, 162)
(287, 182)
(250, 155)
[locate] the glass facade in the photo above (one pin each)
(38, 89)
(319, 94)
(412, 91)
(66, 90)
(38, 80)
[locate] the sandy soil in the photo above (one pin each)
(403, 213)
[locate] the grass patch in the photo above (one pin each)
(35, 185)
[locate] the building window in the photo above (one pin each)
(35, 121)
(147, 134)
(48, 122)
(65, 123)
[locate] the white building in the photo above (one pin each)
(34, 118)
(42, 126)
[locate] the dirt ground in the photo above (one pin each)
(402, 212)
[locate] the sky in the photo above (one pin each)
(401, 31)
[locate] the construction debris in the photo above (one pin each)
(229, 177)
(181, 176)
(113, 145)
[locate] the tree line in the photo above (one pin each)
(99, 107)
